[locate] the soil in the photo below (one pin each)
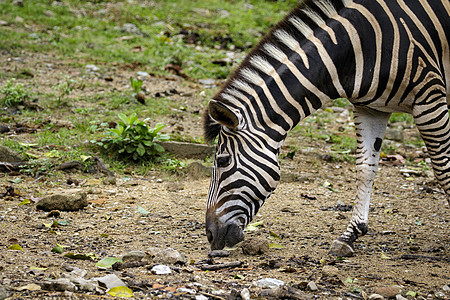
(407, 244)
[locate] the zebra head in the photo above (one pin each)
(245, 173)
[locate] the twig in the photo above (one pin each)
(211, 295)
(221, 266)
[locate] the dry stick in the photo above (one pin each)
(211, 295)
(221, 266)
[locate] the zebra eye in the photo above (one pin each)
(223, 161)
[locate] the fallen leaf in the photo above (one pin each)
(142, 211)
(121, 291)
(107, 262)
(274, 236)
(253, 226)
(25, 201)
(16, 247)
(275, 246)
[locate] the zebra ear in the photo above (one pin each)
(224, 115)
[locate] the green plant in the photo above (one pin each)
(134, 139)
(135, 85)
(64, 90)
(14, 93)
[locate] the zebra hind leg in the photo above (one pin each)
(434, 127)
(370, 129)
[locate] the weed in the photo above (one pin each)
(14, 94)
(133, 139)
(63, 89)
(136, 85)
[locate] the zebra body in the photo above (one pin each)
(384, 56)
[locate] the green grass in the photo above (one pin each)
(92, 31)
(191, 34)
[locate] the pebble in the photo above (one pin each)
(440, 295)
(129, 28)
(167, 256)
(245, 294)
(388, 291)
(446, 288)
(268, 283)
(186, 291)
(330, 271)
(59, 285)
(376, 297)
(201, 297)
(142, 73)
(400, 297)
(4, 292)
(92, 68)
(255, 246)
(63, 202)
(135, 255)
(312, 286)
(109, 281)
(161, 270)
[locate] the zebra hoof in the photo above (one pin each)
(339, 248)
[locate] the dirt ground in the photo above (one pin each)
(407, 245)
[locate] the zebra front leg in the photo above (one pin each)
(370, 129)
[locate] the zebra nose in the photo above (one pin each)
(226, 235)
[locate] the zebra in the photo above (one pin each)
(384, 56)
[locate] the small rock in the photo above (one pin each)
(400, 297)
(18, 3)
(49, 13)
(268, 283)
(376, 297)
(19, 20)
(388, 291)
(161, 270)
(109, 281)
(135, 255)
(4, 292)
(186, 291)
(142, 73)
(92, 68)
(245, 294)
(255, 246)
(312, 286)
(110, 180)
(9, 155)
(3, 23)
(168, 256)
(330, 271)
(130, 28)
(63, 202)
(59, 285)
(446, 288)
(440, 295)
(201, 297)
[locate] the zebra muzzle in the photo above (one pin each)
(226, 235)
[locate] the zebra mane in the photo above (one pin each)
(296, 26)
